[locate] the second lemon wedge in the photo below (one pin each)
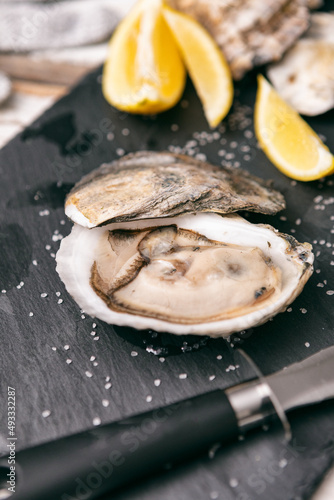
(205, 63)
(144, 72)
(288, 141)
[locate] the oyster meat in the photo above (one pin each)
(193, 273)
(305, 75)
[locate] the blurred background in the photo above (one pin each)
(45, 47)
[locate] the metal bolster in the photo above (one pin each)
(252, 403)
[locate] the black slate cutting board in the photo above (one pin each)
(71, 371)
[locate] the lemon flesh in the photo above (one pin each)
(205, 63)
(144, 72)
(288, 141)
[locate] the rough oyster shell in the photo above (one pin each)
(305, 75)
(249, 32)
(287, 266)
(153, 184)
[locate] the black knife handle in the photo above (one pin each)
(94, 462)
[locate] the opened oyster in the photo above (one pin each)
(305, 75)
(195, 273)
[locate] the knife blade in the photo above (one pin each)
(100, 460)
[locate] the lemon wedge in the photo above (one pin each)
(205, 63)
(144, 72)
(288, 141)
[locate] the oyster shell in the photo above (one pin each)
(249, 32)
(193, 274)
(149, 185)
(305, 75)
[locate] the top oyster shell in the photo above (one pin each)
(150, 185)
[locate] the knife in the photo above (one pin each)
(100, 460)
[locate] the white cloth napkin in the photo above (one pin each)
(26, 26)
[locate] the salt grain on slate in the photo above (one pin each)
(96, 421)
(66, 347)
(107, 385)
(35, 263)
(330, 292)
(307, 344)
(219, 357)
(183, 376)
(214, 495)
(68, 361)
(157, 382)
(46, 413)
(234, 482)
(105, 403)
(148, 399)
(54, 348)
(88, 374)
(303, 310)
(92, 358)
(31, 314)
(212, 377)
(43, 295)
(134, 353)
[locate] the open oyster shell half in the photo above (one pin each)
(194, 274)
(305, 75)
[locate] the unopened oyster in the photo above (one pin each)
(249, 32)
(197, 273)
